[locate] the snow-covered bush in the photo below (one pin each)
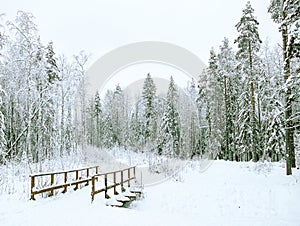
(14, 175)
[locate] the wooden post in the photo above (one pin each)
(105, 184)
(87, 175)
(115, 185)
(93, 188)
(97, 171)
(122, 183)
(52, 182)
(65, 181)
(32, 186)
(76, 178)
(128, 177)
(134, 173)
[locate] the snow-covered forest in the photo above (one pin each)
(245, 105)
(243, 111)
(37, 94)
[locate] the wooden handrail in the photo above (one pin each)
(61, 172)
(117, 171)
(54, 185)
(115, 182)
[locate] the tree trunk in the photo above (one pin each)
(288, 104)
(259, 136)
(253, 135)
(227, 154)
(62, 125)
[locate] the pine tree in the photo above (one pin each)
(248, 45)
(287, 13)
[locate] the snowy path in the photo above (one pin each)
(107, 163)
(101, 158)
(226, 194)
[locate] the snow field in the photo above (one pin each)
(230, 194)
(227, 193)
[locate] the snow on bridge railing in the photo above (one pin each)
(118, 178)
(51, 181)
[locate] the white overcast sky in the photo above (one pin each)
(99, 26)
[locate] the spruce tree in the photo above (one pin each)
(226, 69)
(97, 117)
(136, 135)
(115, 118)
(51, 67)
(149, 95)
(170, 124)
(107, 119)
(202, 111)
(215, 108)
(287, 13)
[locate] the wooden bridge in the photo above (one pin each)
(123, 182)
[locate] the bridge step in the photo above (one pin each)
(138, 191)
(124, 199)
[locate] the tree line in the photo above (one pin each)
(166, 124)
(245, 105)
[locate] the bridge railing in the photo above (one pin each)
(116, 178)
(51, 181)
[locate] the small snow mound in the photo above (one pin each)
(122, 198)
(114, 202)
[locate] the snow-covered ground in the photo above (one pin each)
(227, 193)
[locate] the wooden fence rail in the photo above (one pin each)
(119, 178)
(70, 177)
